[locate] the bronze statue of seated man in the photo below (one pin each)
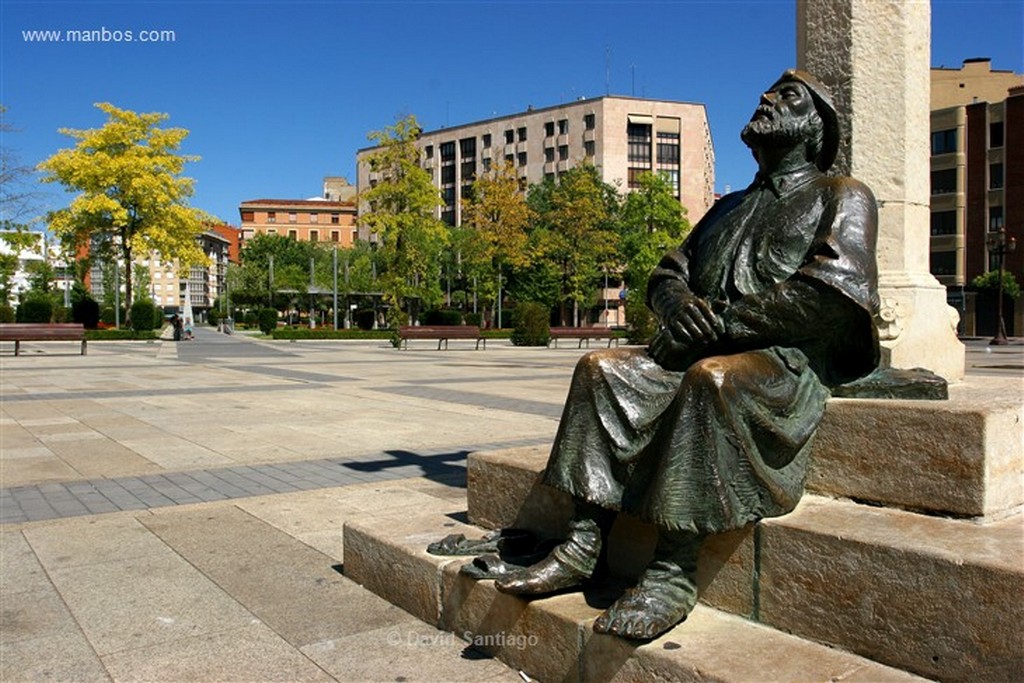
(767, 305)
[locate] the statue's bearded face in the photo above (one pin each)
(785, 117)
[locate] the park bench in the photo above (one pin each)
(19, 332)
(583, 334)
(442, 333)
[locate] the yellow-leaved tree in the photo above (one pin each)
(131, 194)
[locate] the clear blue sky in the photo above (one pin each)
(279, 94)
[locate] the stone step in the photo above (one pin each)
(937, 596)
(551, 639)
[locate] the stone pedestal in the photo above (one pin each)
(874, 56)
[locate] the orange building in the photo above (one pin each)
(315, 220)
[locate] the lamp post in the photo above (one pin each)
(999, 246)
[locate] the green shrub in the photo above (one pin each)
(213, 317)
(530, 325)
(329, 333)
(267, 320)
(145, 315)
(86, 310)
(474, 319)
(119, 335)
(107, 316)
(441, 316)
(35, 310)
(642, 322)
(6, 314)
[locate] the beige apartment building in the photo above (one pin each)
(977, 182)
(315, 220)
(621, 136)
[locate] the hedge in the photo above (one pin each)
(120, 335)
(328, 333)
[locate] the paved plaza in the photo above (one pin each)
(173, 511)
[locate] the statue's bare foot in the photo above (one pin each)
(650, 609)
(547, 576)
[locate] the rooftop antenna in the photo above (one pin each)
(607, 70)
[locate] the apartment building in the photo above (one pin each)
(161, 279)
(315, 220)
(622, 136)
(977, 181)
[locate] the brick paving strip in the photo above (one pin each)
(56, 500)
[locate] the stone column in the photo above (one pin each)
(874, 56)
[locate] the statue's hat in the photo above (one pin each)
(826, 110)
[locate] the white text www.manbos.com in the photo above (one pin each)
(98, 35)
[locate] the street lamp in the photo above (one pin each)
(999, 246)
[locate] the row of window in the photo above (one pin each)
(945, 141)
(944, 222)
(944, 181)
(314, 235)
(249, 217)
(467, 146)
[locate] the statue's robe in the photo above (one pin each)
(723, 439)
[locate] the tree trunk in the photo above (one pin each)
(127, 250)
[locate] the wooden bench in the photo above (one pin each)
(19, 332)
(442, 333)
(584, 334)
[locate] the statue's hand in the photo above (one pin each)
(691, 320)
(671, 354)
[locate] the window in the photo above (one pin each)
(668, 148)
(247, 216)
(271, 231)
(549, 154)
(292, 217)
(314, 218)
(468, 171)
(639, 143)
(467, 148)
(314, 235)
(995, 176)
(563, 152)
(589, 148)
(510, 158)
(447, 151)
(944, 223)
(944, 182)
(522, 158)
(510, 137)
(487, 141)
(521, 134)
(944, 141)
(563, 127)
(335, 235)
(448, 174)
(995, 218)
(335, 218)
(549, 177)
(995, 134)
(589, 121)
(943, 263)
(428, 151)
(271, 216)
(549, 129)
(293, 234)
(448, 195)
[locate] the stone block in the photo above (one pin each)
(960, 457)
(539, 637)
(935, 596)
(388, 556)
(712, 646)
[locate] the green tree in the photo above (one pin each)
(652, 221)
(251, 282)
(401, 213)
(131, 191)
(990, 282)
(494, 238)
(575, 233)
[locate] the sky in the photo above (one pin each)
(276, 95)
